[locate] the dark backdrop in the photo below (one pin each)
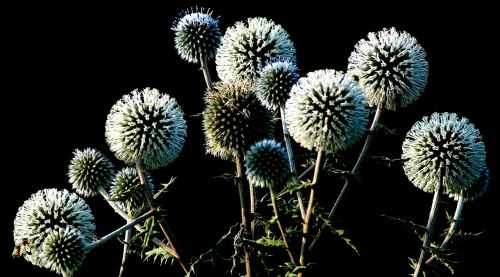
(65, 65)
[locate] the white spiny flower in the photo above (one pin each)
(126, 189)
(275, 81)
(477, 190)
(267, 164)
(88, 170)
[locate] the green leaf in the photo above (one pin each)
(159, 254)
(165, 187)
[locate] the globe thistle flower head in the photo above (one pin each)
(197, 35)
(63, 250)
(48, 210)
(88, 170)
(127, 189)
(275, 81)
(477, 190)
(146, 126)
(443, 148)
(326, 110)
(234, 119)
(247, 46)
(267, 164)
(390, 67)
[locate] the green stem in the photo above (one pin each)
(291, 161)
(206, 73)
(430, 229)
(453, 227)
(280, 226)
(305, 225)
(354, 171)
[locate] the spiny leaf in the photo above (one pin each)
(159, 253)
(165, 187)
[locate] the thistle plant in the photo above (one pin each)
(197, 37)
(126, 189)
(247, 46)
(442, 153)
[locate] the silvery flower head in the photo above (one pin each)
(267, 164)
(88, 170)
(477, 190)
(234, 119)
(126, 189)
(197, 35)
(247, 46)
(49, 210)
(275, 81)
(146, 126)
(391, 68)
(326, 110)
(63, 250)
(443, 148)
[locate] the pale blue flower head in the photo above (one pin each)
(146, 126)
(267, 164)
(88, 171)
(197, 35)
(247, 46)
(390, 67)
(326, 110)
(275, 81)
(477, 190)
(443, 148)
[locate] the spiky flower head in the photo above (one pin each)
(477, 190)
(88, 170)
(234, 119)
(275, 81)
(267, 164)
(197, 35)
(326, 110)
(443, 147)
(63, 250)
(146, 126)
(48, 210)
(127, 189)
(391, 68)
(248, 46)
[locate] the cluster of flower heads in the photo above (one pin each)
(234, 119)
(247, 46)
(57, 225)
(267, 164)
(390, 67)
(89, 170)
(146, 126)
(444, 150)
(326, 110)
(197, 35)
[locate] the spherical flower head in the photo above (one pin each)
(127, 189)
(391, 68)
(477, 190)
(275, 81)
(326, 110)
(88, 170)
(267, 164)
(248, 46)
(63, 250)
(48, 210)
(146, 126)
(234, 119)
(197, 35)
(443, 147)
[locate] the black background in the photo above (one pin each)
(64, 66)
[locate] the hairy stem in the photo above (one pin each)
(453, 227)
(206, 73)
(430, 229)
(354, 171)
(291, 161)
(245, 213)
(280, 226)
(310, 204)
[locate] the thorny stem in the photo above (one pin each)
(354, 172)
(120, 230)
(305, 225)
(430, 228)
(206, 73)
(291, 161)
(245, 215)
(253, 209)
(280, 226)
(453, 227)
(126, 241)
(164, 226)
